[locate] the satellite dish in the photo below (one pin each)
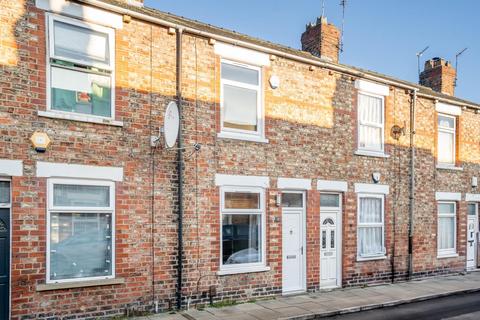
(171, 124)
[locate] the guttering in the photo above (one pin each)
(248, 45)
(412, 184)
(180, 171)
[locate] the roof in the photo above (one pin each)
(197, 25)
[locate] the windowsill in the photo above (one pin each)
(79, 284)
(239, 136)
(243, 270)
(447, 255)
(371, 154)
(448, 167)
(79, 117)
(371, 258)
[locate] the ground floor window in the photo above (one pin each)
(80, 229)
(371, 233)
(243, 227)
(447, 226)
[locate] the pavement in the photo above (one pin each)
(336, 302)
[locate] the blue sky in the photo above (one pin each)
(380, 35)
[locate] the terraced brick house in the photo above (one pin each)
(292, 172)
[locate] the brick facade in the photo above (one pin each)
(311, 127)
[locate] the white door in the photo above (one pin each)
(472, 230)
(330, 241)
(293, 238)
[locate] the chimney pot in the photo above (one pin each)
(322, 39)
(439, 75)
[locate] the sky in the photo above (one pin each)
(379, 35)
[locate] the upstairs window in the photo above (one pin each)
(446, 140)
(371, 123)
(80, 67)
(241, 99)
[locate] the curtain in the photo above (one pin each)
(240, 106)
(370, 210)
(446, 232)
(370, 232)
(445, 147)
(371, 117)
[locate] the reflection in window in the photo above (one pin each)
(324, 239)
(329, 200)
(292, 200)
(4, 191)
(241, 238)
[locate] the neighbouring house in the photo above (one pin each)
(311, 174)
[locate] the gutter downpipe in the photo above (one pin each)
(412, 183)
(180, 171)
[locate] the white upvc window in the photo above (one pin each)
(446, 140)
(242, 233)
(5, 193)
(80, 68)
(371, 123)
(80, 230)
(447, 228)
(242, 113)
(371, 226)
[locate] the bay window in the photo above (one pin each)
(80, 67)
(371, 224)
(447, 228)
(243, 228)
(80, 226)
(446, 140)
(241, 97)
(371, 123)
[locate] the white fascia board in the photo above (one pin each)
(240, 54)
(372, 87)
(294, 184)
(448, 109)
(63, 170)
(11, 168)
(472, 197)
(448, 196)
(372, 188)
(242, 181)
(79, 11)
(332, 185)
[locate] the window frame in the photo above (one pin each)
(243, 267)
(50, 54)
(450, 131)
(7, 205)
(239, 133)
(370, 124)
(60, 209)
(376, 256)
(441, 253)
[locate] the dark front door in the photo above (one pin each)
(4, 262)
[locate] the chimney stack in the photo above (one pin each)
(439, 75)
(322, 39)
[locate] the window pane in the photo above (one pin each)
(446, 208)
(446, 232)
(241, 239)
(370, 137)
(324, 239)
(472, 209)
(240, 74)
(446, 122)
(66, 195)
(4, 192)
(329, 200)
(242, 200)
(81, 245)
(239, 108)
(370, 241)
(445, 147)
(371, 109)
(370, 210)
(80, 43)
(292, 200)
(80, 92)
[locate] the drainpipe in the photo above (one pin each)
(412, 183)
(180, 171)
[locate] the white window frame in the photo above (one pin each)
(244, 267)
(7, 205)
(442, 253)
(447, 130)
(53, 209)
(377, 256)
(50, 19)
(239, 133)
(369, 151)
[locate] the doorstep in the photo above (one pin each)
(339, 301)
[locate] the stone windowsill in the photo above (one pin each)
(239, 136)
(243, 270)
(79, 117)
(374, 154)
(371, 258)
(448, 167)
(79, 284)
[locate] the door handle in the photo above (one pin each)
(301, 250)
